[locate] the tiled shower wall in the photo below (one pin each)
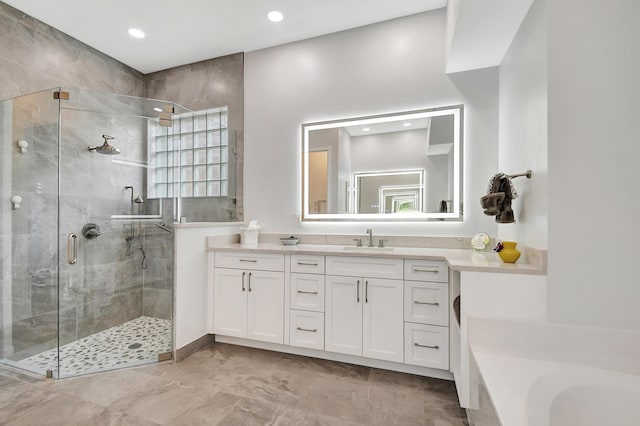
(109, 286)
(35, 56)
(203, 85)
(111, 283)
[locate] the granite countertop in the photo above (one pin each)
(457, 259)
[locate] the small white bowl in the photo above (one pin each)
(290, 241)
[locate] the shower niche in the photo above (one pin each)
(87, 260)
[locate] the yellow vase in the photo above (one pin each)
(509, 253)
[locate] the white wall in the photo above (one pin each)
(523, 128)
(193, 300)
(594, 191)
(390, 151)
(402, 151)
(392, 66)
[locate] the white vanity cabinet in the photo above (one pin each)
(426, 313)
(249, 296)
(375, 310)
(363, 312)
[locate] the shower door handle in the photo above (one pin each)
(72, 248)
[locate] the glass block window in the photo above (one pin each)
(191, 158)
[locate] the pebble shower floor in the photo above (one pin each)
(134, 342)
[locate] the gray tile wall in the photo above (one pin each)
(113, 287)
(109, 284)
(208, 84)
(35, 56)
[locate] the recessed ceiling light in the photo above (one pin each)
(134, 32)
(157, 109)
(406, 124)
(275, 16)
(365, 129)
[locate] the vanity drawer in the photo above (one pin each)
(307, 263)
(307, 292)
(306, 329)
(426, 303)
(426, 345)
(249, 260)
(375, 267)
(426, 270)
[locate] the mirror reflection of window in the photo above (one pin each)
(375, 191)
(400, 199)
(318, 181)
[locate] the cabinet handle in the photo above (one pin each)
(307, 264)
(249, 260)
(312, 330)
(426, 346)
(358, 291)
(435, 271)
(307, 292)
(426, 303)
(243, 274)
(366, 291)
(249, 281)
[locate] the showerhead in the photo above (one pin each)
(106, 148)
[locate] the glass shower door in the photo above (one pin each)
(116, 266)
(28, 231)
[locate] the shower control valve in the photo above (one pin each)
(91, 231)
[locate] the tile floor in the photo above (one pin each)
(231, 385)
(134, 342)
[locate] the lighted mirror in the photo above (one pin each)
(397, 167)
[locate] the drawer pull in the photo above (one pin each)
(435, 271)
(426, 346)
(312, 330)
(249, 260)
(307, 292)
(426, 303)
(307, 264)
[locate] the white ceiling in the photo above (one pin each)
(188, 31)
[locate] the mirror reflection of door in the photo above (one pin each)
(318, 181)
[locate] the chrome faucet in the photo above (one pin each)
(370, 232)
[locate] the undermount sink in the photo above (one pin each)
(367, 249)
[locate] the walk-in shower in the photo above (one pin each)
(86, 278)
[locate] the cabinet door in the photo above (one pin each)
(265, 306)
(343, 314)
(382, 335)
(230, 302)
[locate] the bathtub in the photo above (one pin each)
(527, 391)
(584, 396)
